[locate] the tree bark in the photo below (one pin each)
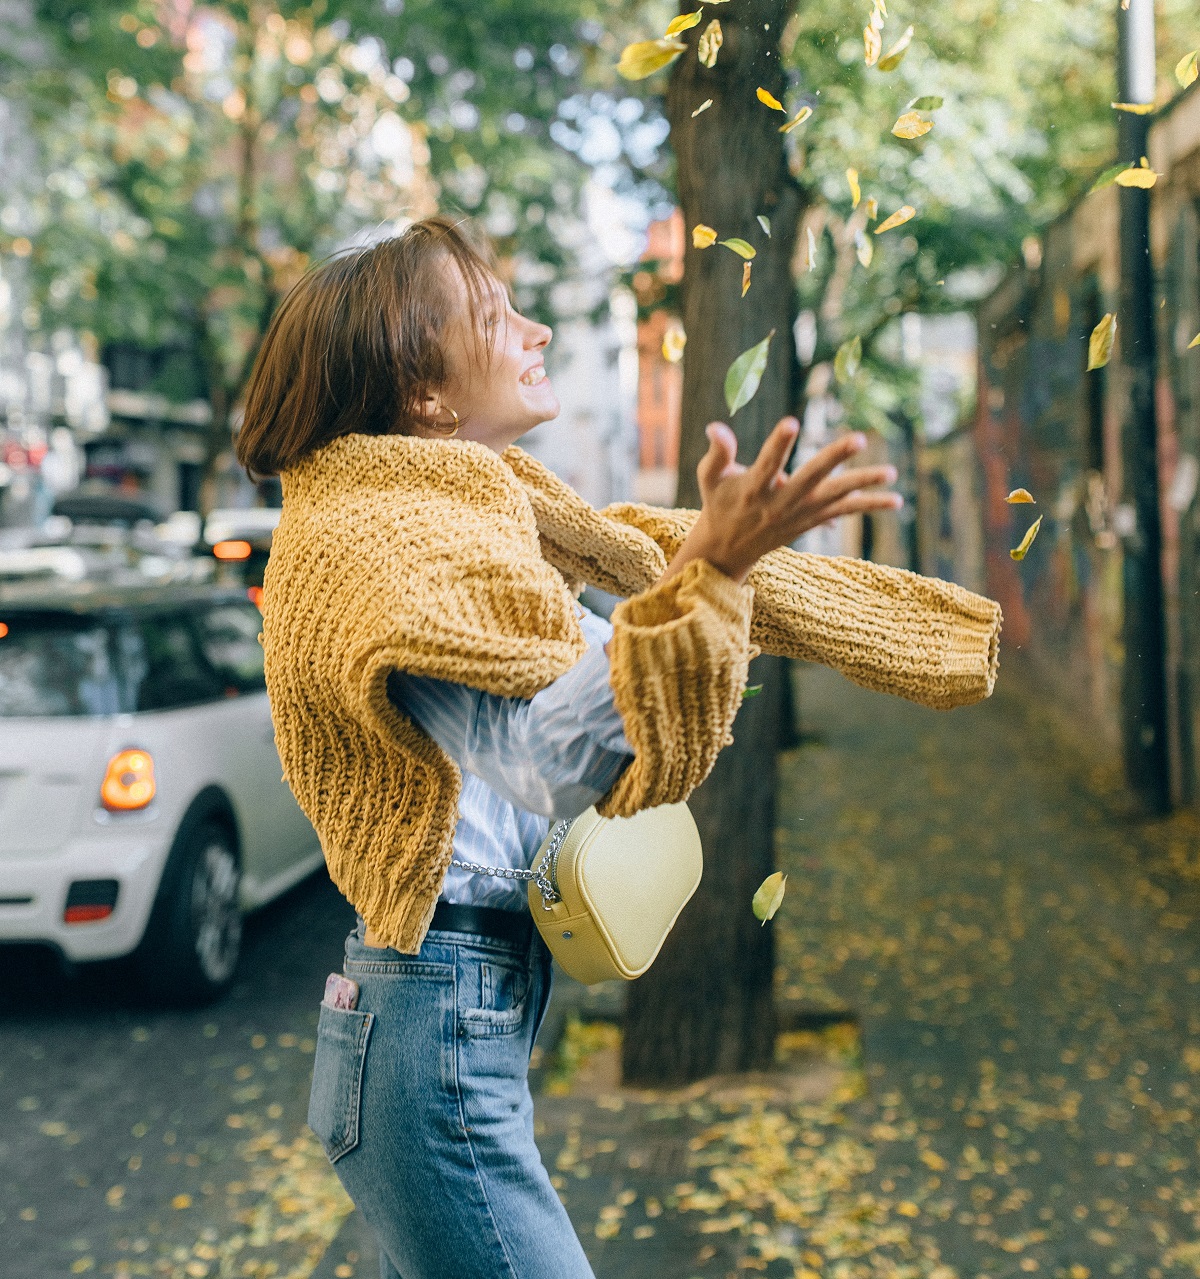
(706, 1006)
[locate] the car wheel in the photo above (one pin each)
(190, 951)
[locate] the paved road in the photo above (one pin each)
(139, 1141)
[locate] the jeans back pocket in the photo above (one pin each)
(335, 1099)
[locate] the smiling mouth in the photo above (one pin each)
(533, 376)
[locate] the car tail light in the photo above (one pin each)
(3, 629)
(128, 782)
(89, 900)
(254, 595)
(235, 550)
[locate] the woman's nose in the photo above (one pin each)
(539, 335)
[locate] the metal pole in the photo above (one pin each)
(1143, 692)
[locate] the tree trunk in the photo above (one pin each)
(706, 1006)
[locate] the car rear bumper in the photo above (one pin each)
(33, 892)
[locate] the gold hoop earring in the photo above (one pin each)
(446, 433)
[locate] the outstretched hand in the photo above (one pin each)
(748, 511)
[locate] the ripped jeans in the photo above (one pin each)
(420, 1097)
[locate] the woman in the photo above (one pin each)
(439, 694)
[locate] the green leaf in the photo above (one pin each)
(769, 897)
(847, 360)
(929, 103)
(740, 247)
(751, 690)
(1187, 71)
(765, 223)
(1107, 178)
(745, 373)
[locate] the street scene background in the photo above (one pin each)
(974, 234)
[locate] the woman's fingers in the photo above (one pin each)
(854, 504)
(775, 450)
(828, 459)
(835, 487)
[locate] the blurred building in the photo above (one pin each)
(1044, 423)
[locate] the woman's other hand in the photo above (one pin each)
(748, 511)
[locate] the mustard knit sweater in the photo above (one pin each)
(443, 558)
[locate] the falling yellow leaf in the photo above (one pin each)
(1018, 552)
(864, 248)
(1019, 495)
(769, 100)
(1134, 108)
(709, 44)
(765, 223)
(746, 278)
(1136, 176)
(855, 189)
(702, 107)
(811, 257)
(1187, 69)
(1100, 344)
(740, 247)
(910, 125)
(769, 897)
(872, 208)
(648, 56)
(895, 55)
(1195, 342)
(798, 119)
(902, 215)
(847, 360)
(703, 237)
(674, 340)
(872, 44)
(683, 22)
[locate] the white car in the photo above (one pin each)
(142, 806)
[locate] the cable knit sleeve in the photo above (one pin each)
(679, 655)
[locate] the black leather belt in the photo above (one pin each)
(485, 921)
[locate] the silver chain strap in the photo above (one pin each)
(544, 874)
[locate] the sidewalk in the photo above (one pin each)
(1024, 962)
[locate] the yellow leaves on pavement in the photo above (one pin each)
(872, 46)
(910, 125)
(702, 107)
(709, 44)
(181, 1201)
(703, 237)
(908, 1209)
(847, 361)
(769, 100)
(902, 215)
(683, 22)
(864, 248)
(739, 246)
(648, 56)
(895, 55)
(745, 373)
(931, 1159)
(769, 897)
(1018, 552)
(1100, 344)
(1134, 108)
(1187, 69)
(810, 256)
(674, 340)
(746, 278)
(855, 189)
(799, 118)
(1019, 495)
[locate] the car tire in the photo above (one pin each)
(190, 949)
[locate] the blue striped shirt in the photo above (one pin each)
(525, 761)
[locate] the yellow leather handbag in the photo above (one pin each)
(605, 891)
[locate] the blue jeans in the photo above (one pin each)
(421, 1099)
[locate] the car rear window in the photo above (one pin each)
(58, 666)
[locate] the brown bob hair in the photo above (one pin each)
(356, 345)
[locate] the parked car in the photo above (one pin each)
(142, 808)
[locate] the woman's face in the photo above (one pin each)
(497, 401)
